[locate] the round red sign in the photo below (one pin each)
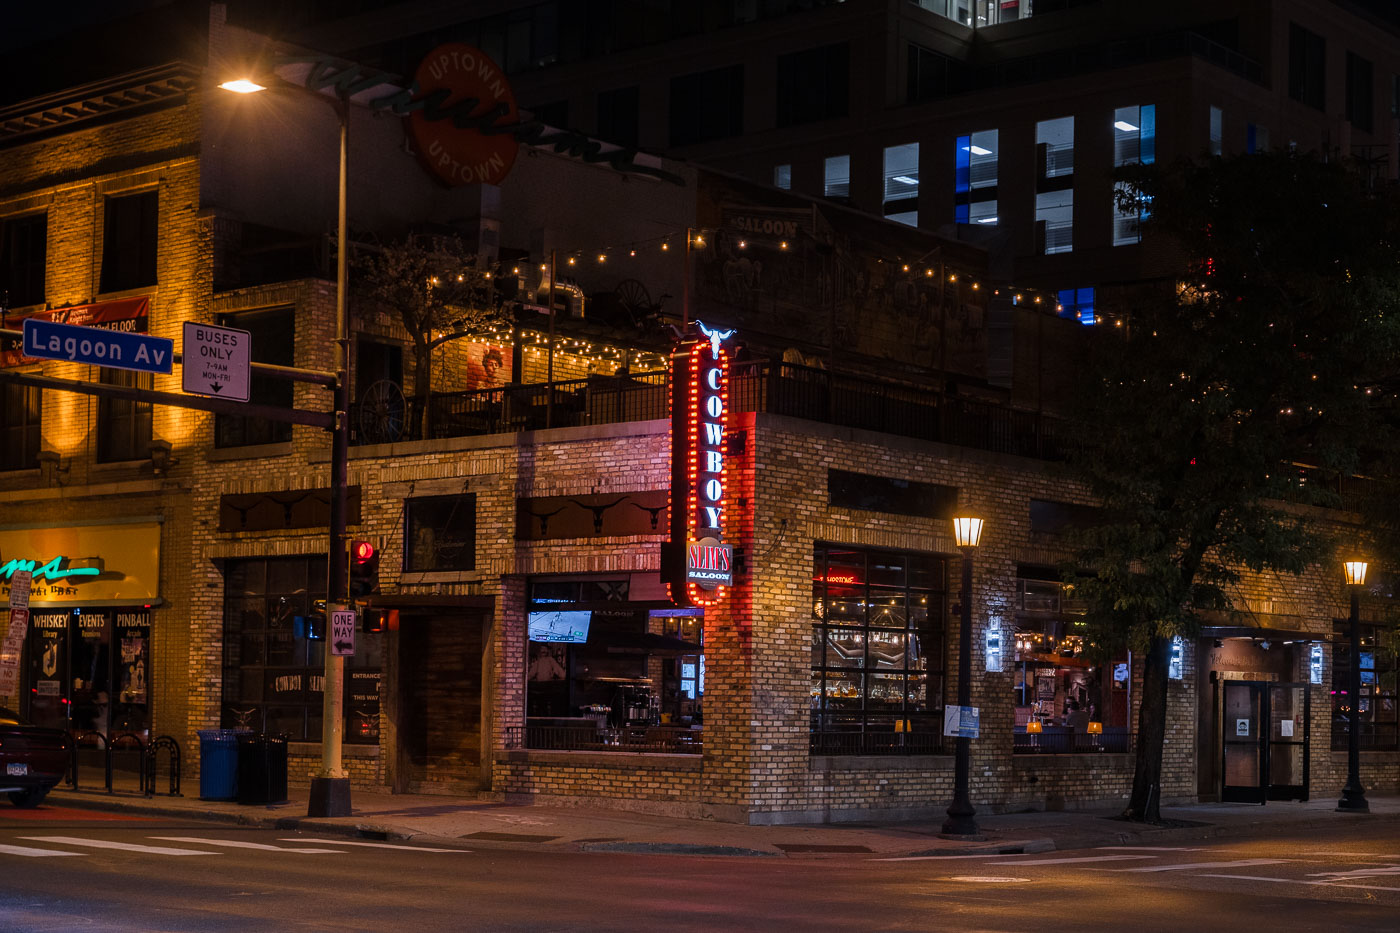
(463, 92)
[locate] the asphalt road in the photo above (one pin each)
(64, 870)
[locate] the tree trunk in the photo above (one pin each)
(1145, 803)
(422, 388)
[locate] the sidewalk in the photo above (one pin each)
(479, 823)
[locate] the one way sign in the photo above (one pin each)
(216, 361)
(342, 640)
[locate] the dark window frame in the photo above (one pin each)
(871, 493)
(706, 106)
(1360, 92)
(273, 341)
(619, 116)
(21, 426)
(814, 84)
(130, 241)
(1307, 67)
(460, 513)
(124, 427)
(24, 259)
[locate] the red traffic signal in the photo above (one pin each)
(364, 568)
(362, 552)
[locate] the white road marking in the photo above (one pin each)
(1322, 884)
(931, 858)
(27, 852)
(989, 879)
(371, 845)
(1241, 863)
(240, 844)
(1076, 860)
(1358, 872)
(123, 846)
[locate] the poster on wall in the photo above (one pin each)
(133, 671)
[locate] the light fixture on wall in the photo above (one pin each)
(161, 458)
(53, 469)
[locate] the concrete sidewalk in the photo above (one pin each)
(484, 823)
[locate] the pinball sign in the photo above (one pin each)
(699, 417)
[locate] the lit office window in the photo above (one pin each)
(1134, 142)
(838, 177)
(1217, 130)
(975, 185)
(1077, 304)
(1054, 221)
(979, 13)
(1256, 138)
(1054, 142)
(1054, 186)
(901, 201)
(782, 176)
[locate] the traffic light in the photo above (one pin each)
(364, 568)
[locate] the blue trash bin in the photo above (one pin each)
(218, 763)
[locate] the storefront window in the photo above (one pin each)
(1066, 701)
(1377, 722)
(877, 652)
(274, 652)
(605, 673)
(88, 670)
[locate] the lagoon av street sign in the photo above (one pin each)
(95, 346)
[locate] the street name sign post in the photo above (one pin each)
(96, 346)
(15, 631)
(216, 361)
(342, 634)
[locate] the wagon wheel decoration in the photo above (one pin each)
(635, 300)
(382, 408)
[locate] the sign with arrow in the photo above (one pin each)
(216, 361)
(342, 638)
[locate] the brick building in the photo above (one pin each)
(521, 640)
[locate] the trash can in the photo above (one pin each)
(218, 763)
(262, 768)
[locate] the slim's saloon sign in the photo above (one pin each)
(700, 564)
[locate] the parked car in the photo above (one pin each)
(32, 759)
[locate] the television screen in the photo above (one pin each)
(558, 625)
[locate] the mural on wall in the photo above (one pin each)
(772, 266)
(487, 366)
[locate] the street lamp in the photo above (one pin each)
(330, 786)
(1353, 794)
(967, 532)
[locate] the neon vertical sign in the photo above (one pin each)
(699, 493)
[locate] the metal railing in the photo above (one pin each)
(759, 386)
(146, 758)
(656, 740)
(1062, 740)
(834, 732)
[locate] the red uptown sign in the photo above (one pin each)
(699, 416)
(128, 315)
(468, 148)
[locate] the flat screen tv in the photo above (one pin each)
(560, 625)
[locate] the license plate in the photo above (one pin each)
(16, 769)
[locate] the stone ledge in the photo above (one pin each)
(880, 763)
(622, 761)
(248, 452)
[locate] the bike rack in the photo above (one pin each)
(141, 751)
(149, 772)
(106, 754)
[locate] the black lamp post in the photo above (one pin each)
(967, 531)
(1353, 794)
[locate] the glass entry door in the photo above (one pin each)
(1264, 728)
(1245, 754)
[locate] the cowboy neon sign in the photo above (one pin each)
(53, 571)
(700, 416)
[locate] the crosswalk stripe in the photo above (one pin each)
(240, 844)
(369, 845)
(1241, 863)
(122, 846)
(1075, 860)
(1320, 884)
(1356, 873)
(27, 852)
(932, 858)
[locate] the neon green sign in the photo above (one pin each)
(55, 569)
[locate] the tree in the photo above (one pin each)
(1200, 404)
(437, 291)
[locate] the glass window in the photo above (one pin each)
(1134, 142)
(877, 651)
(1054, 140)
(933, 75)
(1375, 700)
(123, 426)
(23, 259)
(129, 242)
(1077, 304)
(21, 417)
(1256, 138)
(707, 105)
(837, 177)
(901, 200)
(782, 176)
(1054, 219)
(440, 533)
(1360, 89)
(975, 179)
(813, 85)
(979, 13)
(274, 651)
(273, 339)
(1307, 61)
(1217, 130)
(618, 120)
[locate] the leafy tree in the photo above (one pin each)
(436, 290)
(1199, 405)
